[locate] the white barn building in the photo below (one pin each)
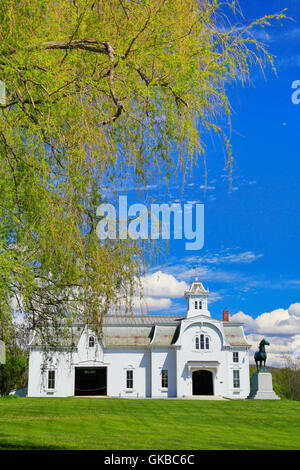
(146, 356)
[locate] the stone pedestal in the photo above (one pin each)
(262, 387)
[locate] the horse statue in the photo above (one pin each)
(261, 355)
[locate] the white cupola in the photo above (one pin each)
(196, 298)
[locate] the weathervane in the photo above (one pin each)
(196, 273)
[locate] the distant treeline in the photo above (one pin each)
(14, 373)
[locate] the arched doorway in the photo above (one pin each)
(203, 382)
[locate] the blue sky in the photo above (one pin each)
(250, 258)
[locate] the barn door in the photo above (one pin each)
(90, 381)
(202, 382)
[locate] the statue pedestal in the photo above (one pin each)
(262, 387)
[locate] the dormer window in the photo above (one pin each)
(202, 342)
(91, 341)
(200, 304)
(196, 304)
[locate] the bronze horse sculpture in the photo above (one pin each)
(261, 355)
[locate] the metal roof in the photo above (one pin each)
(118, 331)
(141, 319)
(57, 337)
(114, 336)
(164, 335)
(196, 288)
(235, 335)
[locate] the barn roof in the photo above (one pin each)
(164, 335)
(127, 336)
(136, 331)
(235, 334)
(57, 337)
(141, 319)
(116, 331)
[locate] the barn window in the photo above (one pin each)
(202, 342)
(129, 379)
(164, 379)
(51, 379)
(91, 341)
(235, 356)
(198, 304)
(236, 379)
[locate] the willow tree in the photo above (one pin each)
(97, 93)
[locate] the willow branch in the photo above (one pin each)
(91, 45)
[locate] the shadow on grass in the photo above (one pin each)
(7, 445)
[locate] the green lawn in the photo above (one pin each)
(111, 423)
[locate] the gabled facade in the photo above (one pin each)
(155, 356)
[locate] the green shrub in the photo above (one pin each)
(13, 371)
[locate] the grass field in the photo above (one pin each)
(116, 424)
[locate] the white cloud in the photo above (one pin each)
(147, 304)
(206, 187)
(215, 296)
(288, 61)
(278, 322)
(161, 284)
(158, 291)
(281, 327)
(262, 35)
(224, 257)
(243, 257)
(292, 33)
(209, 268)
(279, 350)
(207, 274)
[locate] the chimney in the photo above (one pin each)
(225, 315)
